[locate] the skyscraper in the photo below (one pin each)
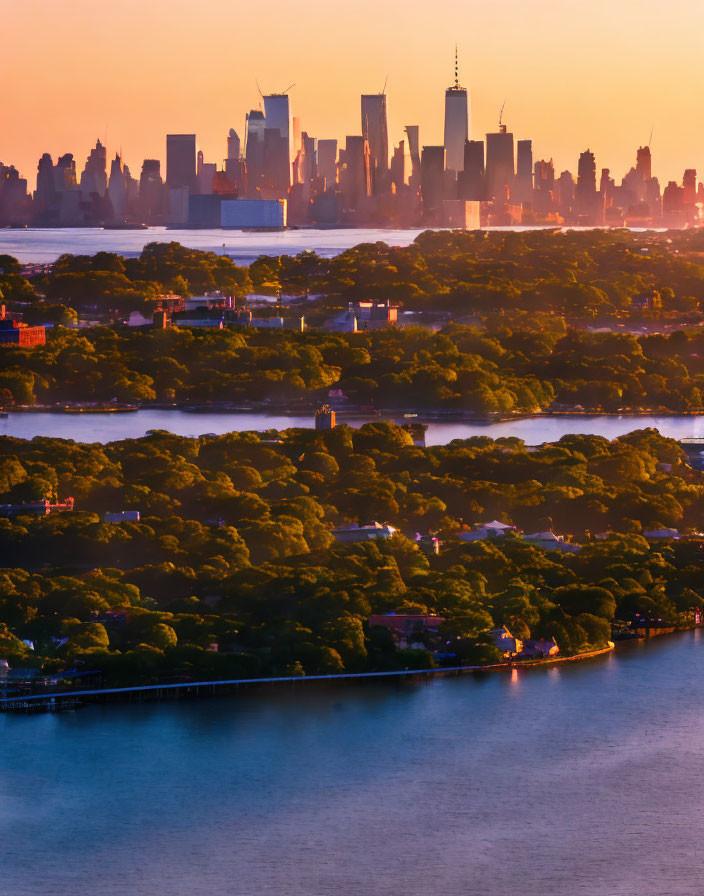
(456, 123)
(14, 201)
(46, 191)
(587, 199)
(565, 188)
(278, 118)
(181, 161)
(94, 178)
(432, 179)
(306, 163)
(471, 182)
(544, 187)
(205, 174)
(65, 179)
(500, 172)
(233, 145)
(327, 162)
(544, 175)
(689, 186)
(524, 171)
(398, 167)
(356, 172)
(117, 188)
(375, 129)
(254, 148)
(586, 174)
(644, 163)
(151, 189)
(412, 132)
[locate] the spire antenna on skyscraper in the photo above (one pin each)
(456, 122)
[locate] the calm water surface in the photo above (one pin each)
(111, 427)
(44, 245)
(583, 780)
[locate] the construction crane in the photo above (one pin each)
(501, 114)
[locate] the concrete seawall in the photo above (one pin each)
(142, 693)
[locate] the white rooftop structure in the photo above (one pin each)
(551, 542)
(494, 529)
(371, 532)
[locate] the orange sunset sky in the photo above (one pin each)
(574, 74)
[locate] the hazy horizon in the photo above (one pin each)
(573, 77)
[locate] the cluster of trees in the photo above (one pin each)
(523, 292)
(583, 275)
(523, 367)
(234, 548)
(110, 285)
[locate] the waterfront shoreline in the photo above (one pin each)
(198, 689)
(409, 416)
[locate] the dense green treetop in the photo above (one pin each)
(234, 547)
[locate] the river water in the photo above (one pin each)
(44, 245)
(111, 426)
(580, 780)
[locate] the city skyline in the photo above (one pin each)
(549, 80)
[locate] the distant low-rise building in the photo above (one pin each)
(663, 533)
(482, 531)
(14, 332)
(539, 648)
(417, 432)
(122, 516)
(407, 628)
(504, 641)
(551, 542)
(429, 544)
(36, 508)
(198, 318)
(325, 418)
(364, 316)
(371, 532)
(279, 323)
(242, 214)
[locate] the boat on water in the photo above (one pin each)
(98, 409)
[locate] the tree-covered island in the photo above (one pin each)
(227, 559)
(489, 323)
(233, 568)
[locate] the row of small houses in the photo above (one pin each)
(547, 540)
(493, 530)
(410, 631)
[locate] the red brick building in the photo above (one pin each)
(14, 332)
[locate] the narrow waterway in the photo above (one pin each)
(111, 426)
(579, 780)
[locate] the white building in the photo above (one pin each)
(122, 516)
(371, 532)
(504, 641)
(551, 542)
(494, 529)
(663, 533)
